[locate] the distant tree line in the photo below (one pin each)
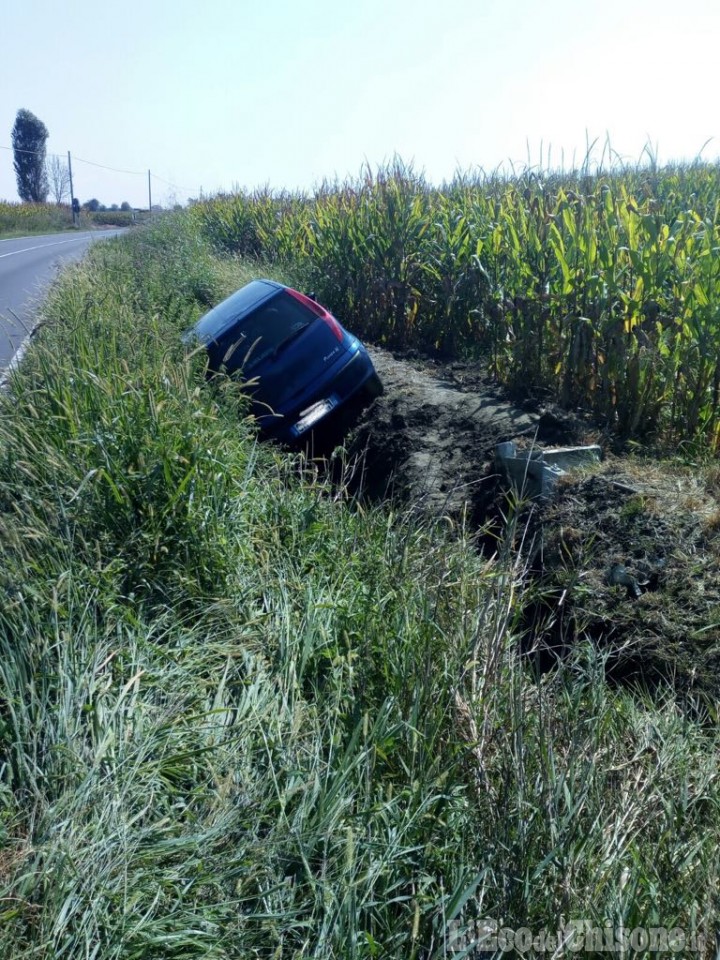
(94, 205)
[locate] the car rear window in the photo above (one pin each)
(221, 317)
(258, 336)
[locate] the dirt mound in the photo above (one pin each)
(633, 549)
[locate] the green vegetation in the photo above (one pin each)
(114, 218)
(243, 717)
(23, 219)
(600, 291)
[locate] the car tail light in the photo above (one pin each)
(319, 311)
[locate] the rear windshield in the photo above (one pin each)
(262, 334)
(221, 317)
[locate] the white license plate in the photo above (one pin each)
(314, 413)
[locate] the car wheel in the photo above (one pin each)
(374, 387)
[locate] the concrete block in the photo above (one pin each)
(536, 472)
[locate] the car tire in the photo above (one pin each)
(374, 387)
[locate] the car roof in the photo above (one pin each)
(241, 303)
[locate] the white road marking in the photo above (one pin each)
(40, 246)
(6, 373)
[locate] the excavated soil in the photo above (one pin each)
(661, 522)
(429, 441)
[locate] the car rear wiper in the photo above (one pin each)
(293, 335)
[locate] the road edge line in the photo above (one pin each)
(16, 359)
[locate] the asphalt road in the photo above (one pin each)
(27, 267)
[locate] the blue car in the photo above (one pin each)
(301, 365)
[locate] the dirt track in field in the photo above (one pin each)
(430, 438)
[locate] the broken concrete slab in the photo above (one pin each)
(567, 458)
(536, 472)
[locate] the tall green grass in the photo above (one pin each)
(241, 717)
(599, 290)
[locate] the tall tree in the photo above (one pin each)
(58, 176)
(29, 136)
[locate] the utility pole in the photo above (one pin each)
(149, 196)
(72, 195)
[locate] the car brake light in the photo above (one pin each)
(319, 311)
(334, 325)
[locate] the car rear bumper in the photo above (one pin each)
(341, 386)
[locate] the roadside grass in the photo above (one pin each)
(241, 716)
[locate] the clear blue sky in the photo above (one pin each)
(219, 93)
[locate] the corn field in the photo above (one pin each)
(601, 292)
(33, 217)
(17, 218)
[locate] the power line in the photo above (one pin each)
(18, 150)
(173, 185)
(134, 173)
(92, 163)
(102, 166)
